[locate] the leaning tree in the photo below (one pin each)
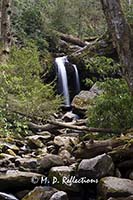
(5, 29)
(122, 36)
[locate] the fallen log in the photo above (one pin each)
(71, 39)
(89, 149)
(61, 125)
(102, 47)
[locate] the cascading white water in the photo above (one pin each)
(77, 79)
(62, 78)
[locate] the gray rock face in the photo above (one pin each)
(40, 193)
(59, 196)
(115, 187)
(84, 98)
(15, 179)
(50, 160)
(61, 178)
(96, 167)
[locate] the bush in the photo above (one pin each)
(22, 92)
(114, 108)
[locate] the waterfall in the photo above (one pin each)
(63, 80)
(62, 76)
(77, 79)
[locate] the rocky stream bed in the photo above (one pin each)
(66, 164)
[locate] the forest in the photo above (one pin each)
(66, 100)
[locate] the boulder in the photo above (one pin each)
(62, 178)
(70, 116)
(40, 193)
(64, 154)
(7, 146)
(131, 175)
(115, 187)
(34, 142)
(66, 140)
(122, 198)
(96, 167)
(5, 196)
(14, 179)
(30, 163)
(85, 98)
(50, 160)
(60, 195)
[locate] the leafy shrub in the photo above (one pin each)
(22, 91)
(99, 68)
(114, 108)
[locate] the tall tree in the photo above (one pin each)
(5, 28)
(122, 36)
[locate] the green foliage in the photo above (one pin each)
(36, 19)
(22, 90)
(100, 67)
(114, 108)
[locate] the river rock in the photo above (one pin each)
(40, 193)
(30, 163)
(60, 195)
(66, 140)
(115, 187)
(61, 178)
(131, 175)
(122, 198)
(16, 179)
(64, 154)
(70, 116)
(96, 167)
(34, 142)
(5, 196)
(50, 160)
(7, 146)
(11, 152)
(84, 98)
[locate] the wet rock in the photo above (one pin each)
(5, 196)
(122, 198)
(131, 175)
(10, 152)
(6, 156)
(59, 196)
(70, 116)
(14, 179)
(40, 193)
(66, 140)
(34, 142)
(22, 194)
(61, 178)
(41, 152)
(96, 167)
(45, 135)
(26, 163)
(50, 160)
(7, 146)
(115, 187)
(64, 154)
(84, 98)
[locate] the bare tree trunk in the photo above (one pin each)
(5, 28)
(122, 37)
